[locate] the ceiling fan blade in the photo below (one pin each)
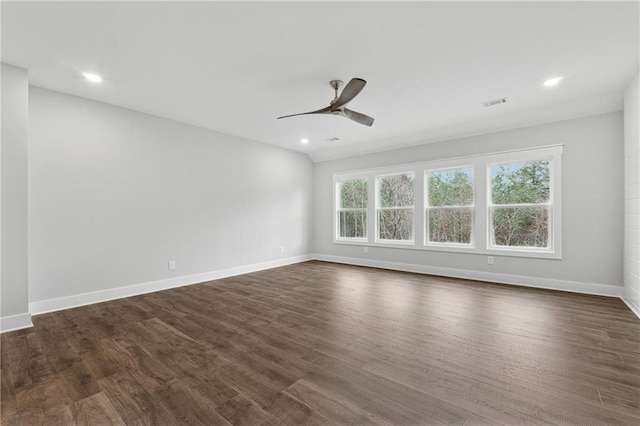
(349, 92)
(326, 110)
(358, 117)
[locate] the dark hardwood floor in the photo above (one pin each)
(322, 343)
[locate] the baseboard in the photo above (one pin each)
(76, 300)
(635, 309)
(521, 280)
(15, 322)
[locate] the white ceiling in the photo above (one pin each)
(235, 67)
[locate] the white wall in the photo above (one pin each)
(632, 197)
(14, 304)
(115, 194)
(592, 178)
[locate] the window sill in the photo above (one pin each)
(460, 250)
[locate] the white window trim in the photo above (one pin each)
(337, 209)
(480, 231)
(425, 218)
(553, 155)
(377, 209)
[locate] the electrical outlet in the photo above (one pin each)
(490, 260)
(281, 249)
(366, 249)
(172, 265)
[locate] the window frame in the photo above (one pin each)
(337, 185)
(481, 217)
(427, 207)
(377, 210)
(553, 205)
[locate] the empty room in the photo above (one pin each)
(322, 213)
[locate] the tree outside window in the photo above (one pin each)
(352, 209)
(449, 211)
(520, 204)
(503, 203)
(395, 207)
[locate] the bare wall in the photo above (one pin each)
(632, 196)
(14, 297)
(114, 195)
(592, 179)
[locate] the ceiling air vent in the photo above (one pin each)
(334, 139)
(494, 102)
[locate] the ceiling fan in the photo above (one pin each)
(339, 103)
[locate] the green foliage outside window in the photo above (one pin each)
(353, 194)
(352, 212)
(450, 188)
(396, 198)
(525, 183)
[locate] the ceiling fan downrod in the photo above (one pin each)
(337, 85)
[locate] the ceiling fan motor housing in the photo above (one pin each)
(336, 84)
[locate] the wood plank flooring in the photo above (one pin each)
(323, 343)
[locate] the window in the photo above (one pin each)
(352, 209)
(520, 206)
(502, 204)
(449, 212)
(395, 205)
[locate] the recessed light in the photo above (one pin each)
(553, 81)
(94, 78)
(304, 141)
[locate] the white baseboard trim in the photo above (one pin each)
(76, 300)
(15, 322)
(635, 309)
(521, 280)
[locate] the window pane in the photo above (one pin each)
(353, 224)
(450, 225)
(451, 187)
(396, 190)
(395, 224)
(520, 226)
(353, 194)
(518, 183)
